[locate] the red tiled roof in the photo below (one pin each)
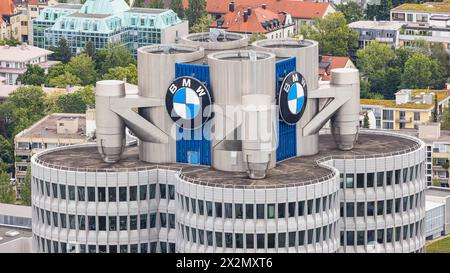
(335, 62)
(234, 21)
(36, 2)
(7, 7)
(297, 9)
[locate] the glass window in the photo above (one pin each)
(360, 180)
(291, 209)
(301, 237)
(349, 181)
(249, 241)
(81, 222)
(397, 176)
(209, 208)
(55, 219)
(143, 192)
(360, 238)
(219, 239)
(171, 220)
(310, 205)
(370, 179)
(317, 205)
(310, 236)
(350, 238)
(71, 193)
(341, 180)
(389, 232)
(91, 194)
(194, 207)
(201, 207)
(380, 207)
(271, 212)
(405, 203)
(370, 208)
(101, 194)
(144, 248)
(405, 175)
(281, 210)
(281, 240)
(171, 192)
(123, 222)
(122, 194)
(71, 221)
(218, 209)
(63, 220)
(81, 194)
(91, 222)
(388, 178)
(360, 209)
(143, 221)
(112, 223)
(380, 236)
(249, 211)
(239, 237)
(350, 209)
(47, 189)
(229, 240)
(162, 191)
(112, 194)
(152, 220)
(163, 219)
(389, 206)
(342, 209)
(260, 211)
(152, 190)
(123, 248)
(398, 231)
(209, 238)
(271, 240)
(101, 222)
(301, 208)
(380, 179)
(228, 210)
(133, 193)
(238, 211)
(55, 190)
(133, 222)
(260, 243)
(291, 239)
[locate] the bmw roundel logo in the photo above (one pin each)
(187, 102)
(292, 98)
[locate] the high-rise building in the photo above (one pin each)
(256, 183)
(104, 21)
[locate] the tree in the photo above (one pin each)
(374, 57)
(333, 34)
(35, 75)
(128, 73)
(256, 37)
(6, 155)
(82, 67)
(202, 24)
(89, 49)
(366, 121)
(445, 121)
(435, 110)
(71, 103)
(438, 52)
(352, 11)
(422, 72)
(10, 42)
(7, 193)
(401, 56)
(55, 71)
(51, 99)
(196, 10)
(379, 11)
(156, 4)
(113, 55)
(62, 51)
(88, 96)
(177, 7)
(25, 189)
(64, 80)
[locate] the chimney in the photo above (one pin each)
(245, 16)
(231, 6)
(264, 6)
(249, 11)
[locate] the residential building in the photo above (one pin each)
(408, 110)
(302, 12)
(386, 32)
(54, 130)
(328, 63)
(437, 220)
(429, 21)
(14, 60)
(9, 20)
(106, 21)
(29, 11)
(248, 20)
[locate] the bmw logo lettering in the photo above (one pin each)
(187, 99)
(292, 98)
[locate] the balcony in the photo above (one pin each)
(404, 120)
(384, 39)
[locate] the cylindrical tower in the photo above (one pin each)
(233, 75)
(306, 55)
(156, 70)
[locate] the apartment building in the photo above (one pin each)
(9, 20)
(385, 32)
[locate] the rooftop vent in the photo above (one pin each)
(12, 233)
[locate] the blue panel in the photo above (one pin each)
(192, 145)
(287, 135)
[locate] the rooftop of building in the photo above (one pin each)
(415, 103)
(293, 171)
(22, 233)
(440, 7)
(429, 205)
(438, 192)
(22, 53)
(297, 9)
(67, 6)
(327, 63)
(7, 8)
(15, 210)
(46, 128)
(260, 20)
(378, 25)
